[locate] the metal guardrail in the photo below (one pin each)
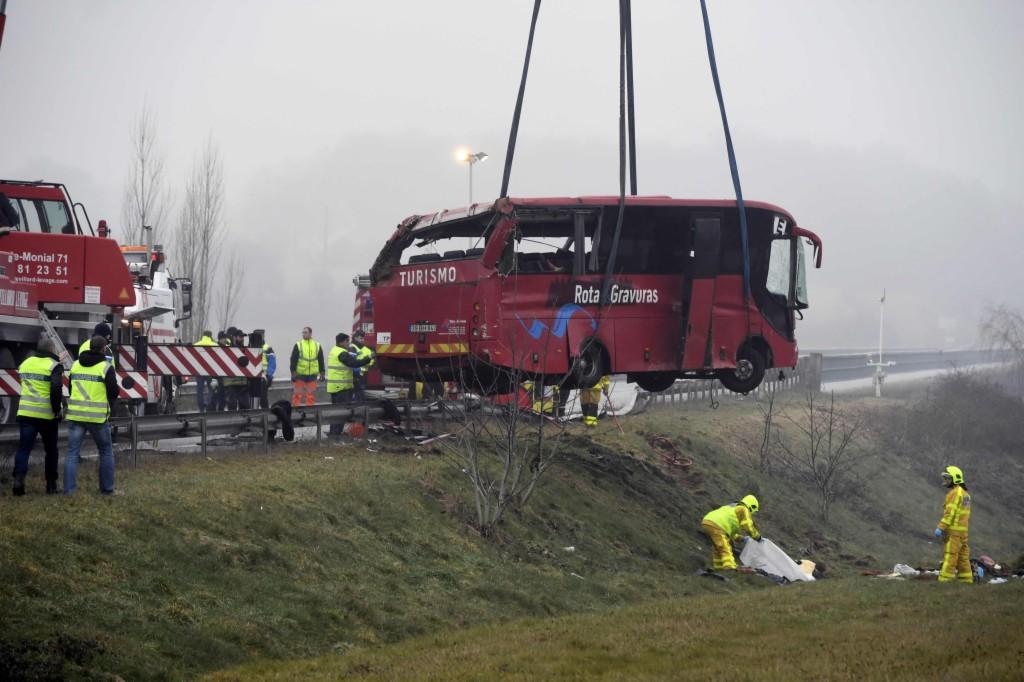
(202, 425)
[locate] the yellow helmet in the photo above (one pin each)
(954, 474)
(750, 502)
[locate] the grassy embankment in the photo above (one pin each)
(211, 563)
(850, 629)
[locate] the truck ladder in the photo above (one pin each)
(51, 333)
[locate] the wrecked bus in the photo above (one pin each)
(519, 288)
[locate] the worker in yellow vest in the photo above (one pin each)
(729, 523)
(261, 386)
(203, 393)
(341, 366)
(39, 413)
(956, 516)
(93, 392)
(590, 400)
(362, 352)
(307, 367)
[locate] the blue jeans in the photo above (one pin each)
(204, 393)
(101, 435)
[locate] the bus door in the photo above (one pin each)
(645, 299)
(707, 238)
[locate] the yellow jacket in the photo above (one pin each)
(731, 519)
(956, 512)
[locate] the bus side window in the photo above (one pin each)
(706, 246)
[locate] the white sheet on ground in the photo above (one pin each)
(767, 556)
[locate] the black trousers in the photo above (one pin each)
(47, 430)
(261, 391)
(342, 397)
(237, 397)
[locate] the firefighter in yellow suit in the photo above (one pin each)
(956, 515)
(590, 399)
(726, 524)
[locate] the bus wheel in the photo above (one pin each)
(747, 374)
(8, 404)
(655, 382)
(589, 367)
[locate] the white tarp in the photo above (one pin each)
(767, 556)
(623, 399)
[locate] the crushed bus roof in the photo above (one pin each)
(455, 214)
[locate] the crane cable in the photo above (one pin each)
(514, 132)
(729, 148)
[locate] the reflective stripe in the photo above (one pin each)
(88, 401)
(35, 374)
(339, 375)
(307, 364)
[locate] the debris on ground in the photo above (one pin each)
(669, 453)
(707, 573)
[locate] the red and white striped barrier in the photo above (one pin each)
(196, 361)
(10, 384)
(139, 385)
(136, 389)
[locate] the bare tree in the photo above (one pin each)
(200, 233)
(230, 288)
(768, 410)
(146, 200)
(503, 448)
(1002, 331)
(823, 453)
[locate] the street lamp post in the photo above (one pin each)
(879, 377)
(470, 158)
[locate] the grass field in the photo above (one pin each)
(211, 563)
(851, 629)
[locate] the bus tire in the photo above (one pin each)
(589, 367)
(748, 373)
(655, 382)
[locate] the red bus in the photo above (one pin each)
(521, 285)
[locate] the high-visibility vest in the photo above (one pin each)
(307, 365)
(206, 341)
(35, 375)
(362, 353)
(339, 375)
(87, 345)
(88, 400)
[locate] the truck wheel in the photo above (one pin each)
(655, 382)
(747, 374)
(589, 367)
(8, 404)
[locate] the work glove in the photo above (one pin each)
(938, 532)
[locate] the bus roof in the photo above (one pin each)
(447, 215)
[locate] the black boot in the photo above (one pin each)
(19, 486)
(51, 488)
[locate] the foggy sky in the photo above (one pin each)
(891, 129)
